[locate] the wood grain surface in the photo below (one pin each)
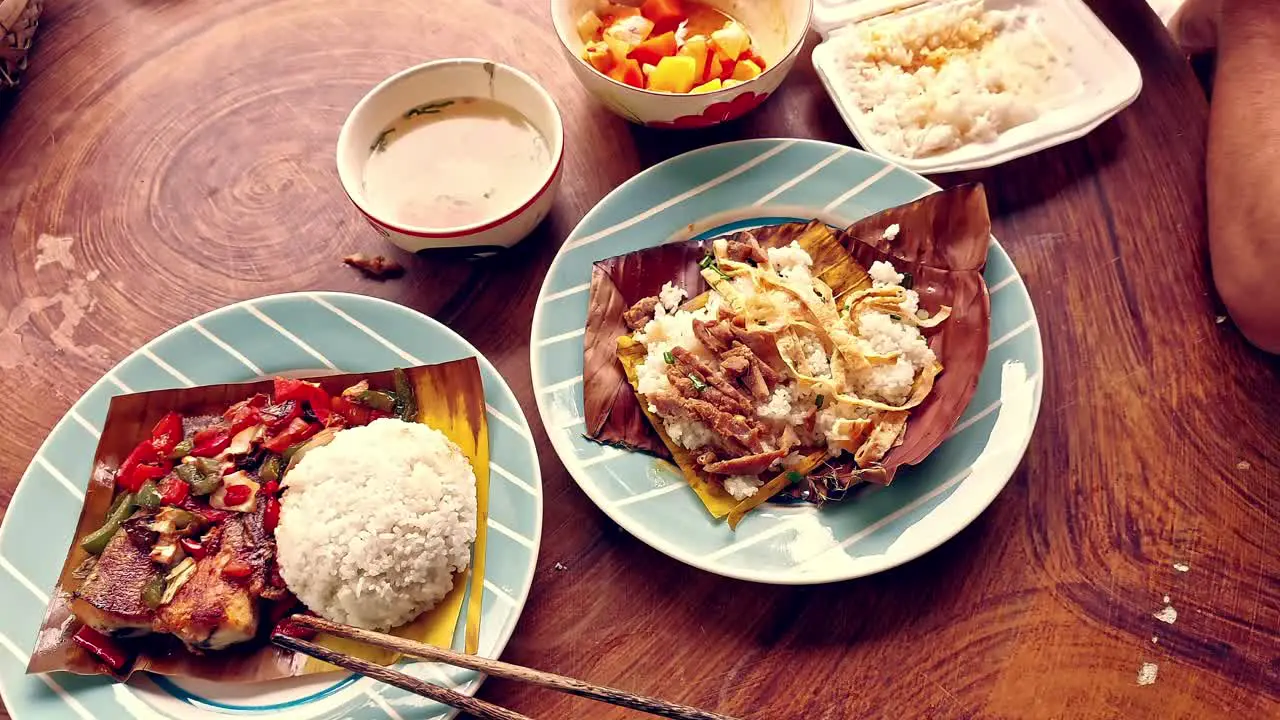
(166, 158)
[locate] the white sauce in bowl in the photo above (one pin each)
(454, 162)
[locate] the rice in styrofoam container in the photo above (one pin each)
(374, 525)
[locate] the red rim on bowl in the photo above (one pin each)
(794, 48)
(357, 199)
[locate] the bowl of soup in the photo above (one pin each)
(459, 153)
(681, 63)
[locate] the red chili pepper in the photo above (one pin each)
(271, 487)
(139, 474)
(354, 414)
(193, 547)
(258, 401)
(378, 415)
(271, 514)
(281, 414)
(297, 431)
(103, 647)
(237, 569)
(236, 495)
(167, 433)
(299, 391)
(245, 417)
(145, 452)
(173, 490)
(323, 414)
(210, 441)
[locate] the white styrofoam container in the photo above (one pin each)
(1109, 80)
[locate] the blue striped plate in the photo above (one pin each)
(296, 333)
(744, 184)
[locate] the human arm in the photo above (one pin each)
(1243, 175)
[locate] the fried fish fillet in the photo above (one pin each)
(212, 610)
(110, 599)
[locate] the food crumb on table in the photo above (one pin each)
(560, 567)
(378, 267)
(1147, 673)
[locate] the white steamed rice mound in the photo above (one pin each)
(375, 524)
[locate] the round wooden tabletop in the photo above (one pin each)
(167, 158)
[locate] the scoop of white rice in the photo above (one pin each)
(375, 524)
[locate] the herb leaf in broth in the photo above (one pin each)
(380, 142)
(430, 108)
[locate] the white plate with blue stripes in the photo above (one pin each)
(296, 333)
(718, 189)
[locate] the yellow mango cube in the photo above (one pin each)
(745, 70)
(730, 83)
(674, 74)
(696, 48)
(707, 87)
(731, 41)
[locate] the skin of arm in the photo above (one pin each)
(1243, 176)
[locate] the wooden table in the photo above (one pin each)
(166, 158)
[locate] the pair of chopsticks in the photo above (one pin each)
(478, 708)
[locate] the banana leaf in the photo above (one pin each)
(450, 398)
(941, 240)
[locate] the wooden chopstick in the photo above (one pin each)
(508, 671)
(478, 708)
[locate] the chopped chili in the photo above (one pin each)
(299, 391)
(102, 647)
(237, 495)
(297, 431)
(271, 514)
(211, 441)
(167, 434)
(174, 490)
(194, 547)
(281, 414)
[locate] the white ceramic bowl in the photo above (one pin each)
(777, 30)
(439, 80)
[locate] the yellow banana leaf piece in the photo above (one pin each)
(445, 402)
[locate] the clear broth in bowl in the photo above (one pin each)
(454, 162)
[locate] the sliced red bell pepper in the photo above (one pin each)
(167, 433)
(280, 415)
(173, 490)
(211, 441)
(353, 413)
(323, 414)
(258, 401)
(300, 391)
(271, 514)
(244, 417)
(102, 647)
(138, 467)
(193, 547)
(236, 495)
(297, 431)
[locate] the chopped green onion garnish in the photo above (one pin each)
(671, 359)
(707, 261)
(698, 383)
(895, 316)
(908, 281)
(794, 477)
(818, 400)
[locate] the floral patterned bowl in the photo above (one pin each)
(777, 29)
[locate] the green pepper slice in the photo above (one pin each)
(148, 495)
(96, 541)
(182, 449)
(406, 407)
(153, 591)
(378, 400)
